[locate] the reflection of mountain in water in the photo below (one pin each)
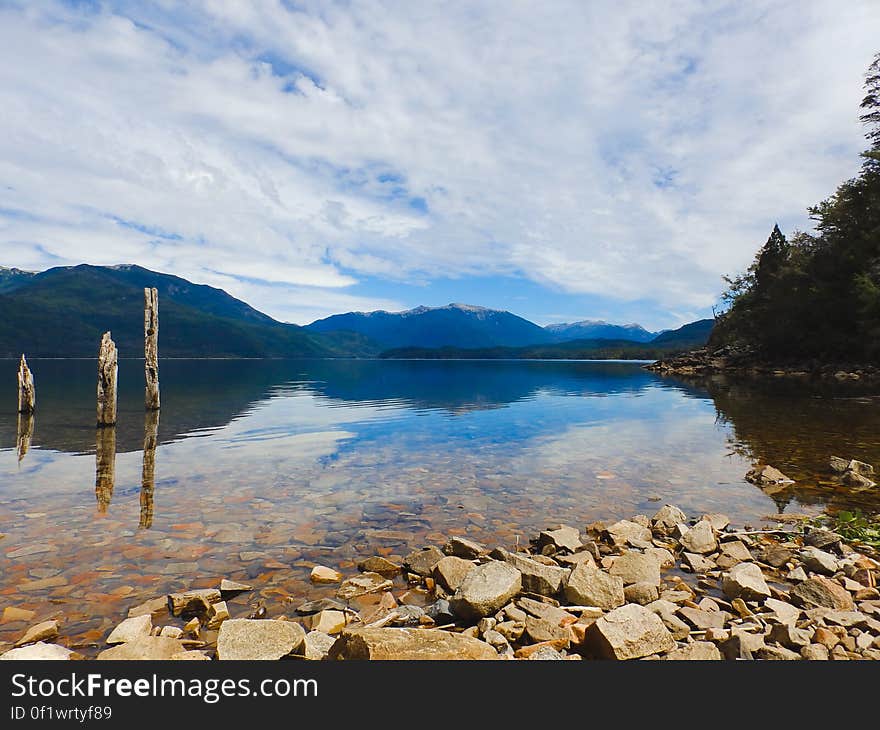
(199, 395)
(797, 426)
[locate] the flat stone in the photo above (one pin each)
(626, 532)
(555, 615)
(144, 648)
(634, 567)
(263, 639)
(409, 644)
(451, 571)
(155, 607)
(13, 613)
(537, 578)
(778, 653)
(698, 563)
(562, 538)
(838, 465)
(641, 593)
(847, 619)
(363, 584)
(776, 555)
(861, 467)
(700, 538)
(131, 629)
(782, 612)
(745, 581)
(230, 586)
(628, 632)
(796, 575)
(328, 622)
(422, 562)
(815, 652)
(540, 630)
(667, 517)
(854, 479)
(41, 632)
(378, 564)
(322, 604)
(39, 651)
(192, 603)
(819, 561)
(317, 645)
(696, 651)
(486, 589)
(190, 656)
(701, 620)
(790, 636)
(461, 547)
(821, 591)
(587, 585)
(323, 574)
(28, 550)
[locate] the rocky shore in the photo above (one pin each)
(659, 587)
(741, 362)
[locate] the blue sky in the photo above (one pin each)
(564, 160)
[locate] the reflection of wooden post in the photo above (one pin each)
(105, 466)
(26, 395)
(107, 372)
(151, 348)
(25, 432)
(148, 475)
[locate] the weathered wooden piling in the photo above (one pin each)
(108, 368)
(148, 473)
(27, 398)
(105, 466)
(151, 348)
(24, 434)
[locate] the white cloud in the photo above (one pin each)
(638, 150)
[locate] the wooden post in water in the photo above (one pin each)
(27, 397)
(151, 348)
(108, 368)
(105, 466)
(148, 474)
(25, 432)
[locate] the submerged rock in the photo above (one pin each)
(378, 564)
(408, 644)
(767, 475)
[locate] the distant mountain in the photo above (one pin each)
(694, 334)
(62, 312)
(669, 342)
(455, 325)
(590, 329)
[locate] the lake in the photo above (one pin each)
(257, 470)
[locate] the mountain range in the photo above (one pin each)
(62, 312)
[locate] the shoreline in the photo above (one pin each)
(660, 587)
(726, 361)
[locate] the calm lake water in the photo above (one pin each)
(257, 470)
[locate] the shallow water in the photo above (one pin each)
(263, 468)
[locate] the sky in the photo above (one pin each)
(562, 160)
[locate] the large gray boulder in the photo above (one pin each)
(587, 585)
(266, 639)
(408, 644)
(486, 589)
(628, 632)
